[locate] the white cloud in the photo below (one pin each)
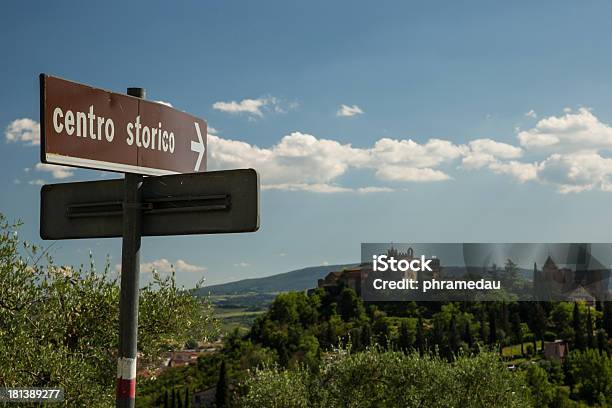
(313, 188)
(37, 182)
(183, 266)
(164, 103)
(374, 190)
(348, 111)
(242, 265)
(326, 188)
(409, 153)
(296, 159)
(574, 131)
(521, 171)
(576, 172)
(163, 265)
(483, 152)
(574, 147)
(531, 114)
(497, 149)
(254, 108)
(250, 106)
(58, 172)
(23, 130)
(410, 174)
(301, 162)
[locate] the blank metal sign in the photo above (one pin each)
(196, 203)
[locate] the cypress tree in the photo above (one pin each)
(356, 339)
(173, 404)
(404, 337)
(607, 318)
(453, 338)
(537, 290)
(166, 399)
(517, 330)
(492, 328)
(538, 324)
(505, 321)
(222, 391)
(482, 329)
(589, 329)
(420, 337)
(578, 329)
(366, 335)
(601, 340)
(187, 402)
(467, 335)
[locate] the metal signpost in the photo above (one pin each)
(89, 127)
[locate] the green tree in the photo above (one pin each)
(381, 329)
(191, 344)
(589, 329)
(179, 400)
(542, 391)
(420, 337)
(467, 335)
(517, 330)
(453, 337)
(222, 390)
(492, 328)
(561, 320)
(482, 329)
(349, 305)
(366, 335)
(284, 309)
(601, 340)
(58, 325)
(538, 324)
(404, 340)
(511, 275)
(607, 318)
(591, 375)
(374, 378)
(578, 327)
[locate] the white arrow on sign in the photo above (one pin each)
(198, 147)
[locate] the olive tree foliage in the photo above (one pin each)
(376, 378)
(59, 325)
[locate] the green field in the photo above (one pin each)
(515, 349)
(236, 318)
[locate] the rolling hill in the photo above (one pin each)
(297, 280)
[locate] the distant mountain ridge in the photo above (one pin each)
(298, 280)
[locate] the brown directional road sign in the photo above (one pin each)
(89, 127)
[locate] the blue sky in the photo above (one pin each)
(480, 121)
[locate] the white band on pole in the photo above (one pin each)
(126, 368)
